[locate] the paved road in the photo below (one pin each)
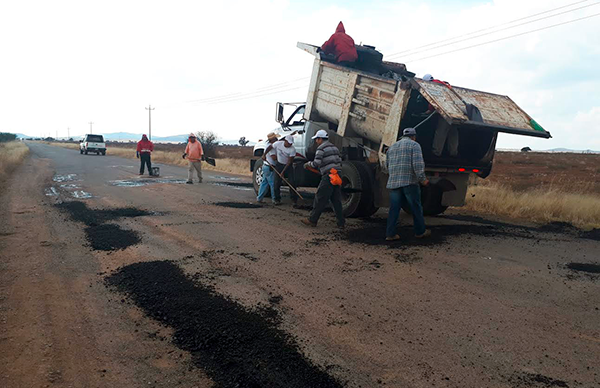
(482, 304)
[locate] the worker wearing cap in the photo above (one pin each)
(406, 168)
(329, 163)
(268, 178)
(194, 154)
(285, 153)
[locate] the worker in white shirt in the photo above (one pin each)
(286, 152)
(268, 175)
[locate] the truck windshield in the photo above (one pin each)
(95, 138)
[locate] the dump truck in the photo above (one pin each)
(365, 110)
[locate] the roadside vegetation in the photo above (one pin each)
(12, 153)
(537, 205)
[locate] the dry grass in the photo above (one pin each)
(538, 205)
(11, 155)
(230, 165)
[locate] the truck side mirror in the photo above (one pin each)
(279, 113)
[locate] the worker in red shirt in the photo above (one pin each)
(341, 46)
(143, 151)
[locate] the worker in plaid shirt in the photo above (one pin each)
(406, 170)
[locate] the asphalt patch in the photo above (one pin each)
(79, 211)
(237, 205)
(584, 267)
(101, 235)
(374, 234)
(110, 237)
(536, 380)
(236, 347)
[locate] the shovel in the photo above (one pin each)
(286, 182)
(209, 160)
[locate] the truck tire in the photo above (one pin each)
(257, 177)
(431, 199)
(85, 152)
(366, 207)
(356, 190)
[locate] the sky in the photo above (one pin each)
(223, 65)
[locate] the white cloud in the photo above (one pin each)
(69, 62)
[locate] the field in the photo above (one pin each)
(11, 155)
(541, 187)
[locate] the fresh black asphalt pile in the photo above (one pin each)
(101, 235)
(237, 348)
(536, 380)
(584, 267)
(373, 233)
(238, 205)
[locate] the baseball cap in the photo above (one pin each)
(192, 135)
(321, 133)
(427, 77)
(289, 139)
(409, 132)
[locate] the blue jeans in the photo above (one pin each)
(411, 194)
(268, 181)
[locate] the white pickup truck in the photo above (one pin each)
(92, 143)
(365, 113)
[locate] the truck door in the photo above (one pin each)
(499, 112)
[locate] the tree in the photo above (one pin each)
(209, 141)
(243, 141)
(4, 137)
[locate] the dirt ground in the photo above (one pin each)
(164, 284)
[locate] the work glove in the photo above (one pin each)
(306, 165)
(183, 156)
(137, 155)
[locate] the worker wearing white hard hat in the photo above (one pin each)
(328, 163)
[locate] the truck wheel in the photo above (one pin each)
(257, 177)
(103, 153)
(85, 152)
(366, 207)
(352, 185)
(431, 199)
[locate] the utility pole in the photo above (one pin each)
(68, 133)
(150, 109)
(90, 127)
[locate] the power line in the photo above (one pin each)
(487, 28)
(503, 29)
(508, 37)
(260, 95)
(239, 94)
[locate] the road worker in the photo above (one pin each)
(341, 46)
(406, 169)
(143, 151)
(268, 175)
(329, 163)
(193, 153)
(285, 153)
